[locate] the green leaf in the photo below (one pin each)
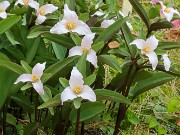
(152, 121)
(11, 119)
(160, 25)
(157, 79)
(153, 12)
(111, 61)
(31, 52)
(98, 46)
(109, 32)
(141, 12)
(55, 101)
(132, 117)
(4, 57)
(31, 128)
(76, 39)
(64, 82)
(90, 79)
(8, 23)
(45, 77)
(87, 111)
(26, 66)
(81, 65)
(77, 102)
(84, 17)
(103, 94)
(173, 105)
(60, 51)
(168, 45)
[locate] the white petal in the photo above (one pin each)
(59, 28)
(77, 50)
(153, 42)
(130, 26)
(92, 58)
(4, 5)
(38, 69)
(107, 23)
(49, 8)
(140, 43)
(67, 94)
(33, 4)
(167, 62)
(88, 94)
(168, 16)
(153, 59)
(87, 40)
(82, 28)
(76, 79)
(98, 13)
(24, 78)
(69, 15)
(3, 15)
(38, 86)
(121, 13)
(40, 19)
(19, 2)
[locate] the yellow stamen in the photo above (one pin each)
(167, 10)
(85, 49)
(147, 49)
(1, 10)
(77, 90)
(25, 2)
(34, 78)
(70, 25)
(41, 11)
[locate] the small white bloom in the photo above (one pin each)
(35, 77)
(70, 23)
(147, 47)
(3, 6)
(77, 89)
(167, 62)
(42, 11)
(107, 23)
(167, 12)
(85, 46)
(31, 3)
(98, 13)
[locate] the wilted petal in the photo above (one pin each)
(76, 79)
(40, 19)
(98, 13)
(33, 4)
(107, 23)
(48, 8)
(38, 86)
(77, 50)
(87, 40)
(59, 28)
(4, 5)
(3, 15)
(153, 42)
(153, 59)
(24, 78)
(88, 94)
(67, 94)
(167, 62)
(38, 69)
(140, 43)
(92, 58)
(69, 15)
(82, 28)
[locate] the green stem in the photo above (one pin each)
(77, 122)
(36, 105)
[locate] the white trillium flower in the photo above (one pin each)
(35, 77)
(107, 23)
(31, 3)
(147, 47)
(42, 11)
(168, 12)
(3, 6)
(167, 62)
(70, 23)
(77, 88)
(85, 46)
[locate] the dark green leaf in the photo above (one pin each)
(31, 128)
(160, 25)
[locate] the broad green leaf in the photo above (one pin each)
(173, 105)
(153, 12)
(8, 23)
(141, 12)
(76, 39)
(90, 79)
(19, 11)
(10, 119)
(84, 17)
(97, 30)
(60, 51)
(55, 101)
(23, 101)
(152, 121)
(71, 4)
(26, 86)
(64, 82)
(119, 53)
(160, 25)
(31, 128)
(168, 45)
(81, 65)
(82, 4)
(31, 52)
(26, 67)
(77, 102)
(111, 61)
(4, 57)
(132, 117)
(87, 111)
(109, 32)
(45, 77)
(157, 79)
(103, 94)
(98, 46)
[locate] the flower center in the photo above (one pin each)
(70, 25)
(167, 10)
(77, 90)
(1, 10)
(147, 49)
(41, 11)
(34, 78)
(25, 2)
(85, 49)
